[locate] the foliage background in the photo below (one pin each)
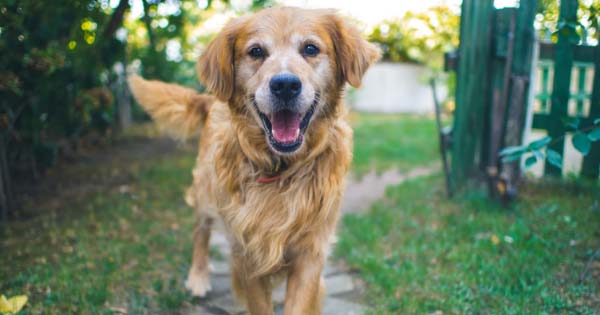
(63, 66)
(62, 63)
(586, 26)
(421, 37)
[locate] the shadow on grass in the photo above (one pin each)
(105, 236)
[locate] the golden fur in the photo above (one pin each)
(281, 227)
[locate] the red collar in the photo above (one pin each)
(266, 180)
(278, 167)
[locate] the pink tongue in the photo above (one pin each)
(286, 126)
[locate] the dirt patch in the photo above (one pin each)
(361, 194)
(94, 170)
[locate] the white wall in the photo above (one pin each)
(395, 88)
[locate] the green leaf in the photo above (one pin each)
(597, 121)
(582, 143)
(594, 135)
(538, 154)
(554, 158)
(513, 150)
(571, 122)
(568, 29)
(530, 161)
(512, 157)
(538, 144)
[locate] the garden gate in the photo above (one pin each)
(494, 67)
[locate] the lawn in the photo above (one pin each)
(113, 234)
(422, 254)
(393, 141)
(122, 247)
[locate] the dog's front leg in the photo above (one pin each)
(304, 289)
(254, 292)
(198, 280)
(258, 296)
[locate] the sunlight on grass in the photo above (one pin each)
(393, 141)
(422, 254)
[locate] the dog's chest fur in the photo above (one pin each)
(271, 221)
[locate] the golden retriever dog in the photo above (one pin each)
(274, 151)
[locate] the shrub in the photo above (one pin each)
(421, 38)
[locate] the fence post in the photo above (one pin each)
(590, 167)
(521, 68)
(563, 64)
(472, 93)
(505, 25)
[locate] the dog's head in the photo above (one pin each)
(285, 67)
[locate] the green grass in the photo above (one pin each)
(128, 247)
(119, 249)
(393, 141)
(422, 254)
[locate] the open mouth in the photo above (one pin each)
(285, 128)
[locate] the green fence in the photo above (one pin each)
(567, 92)
(581, 93)
(493, 70)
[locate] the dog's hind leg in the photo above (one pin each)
(198, 280)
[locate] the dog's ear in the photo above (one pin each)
(216, 66)
(354, 54)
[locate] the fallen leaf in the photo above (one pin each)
(4, 305)
(12, 305)
(494, 238)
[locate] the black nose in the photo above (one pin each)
(285, 86)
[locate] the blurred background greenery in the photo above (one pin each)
(63, 63)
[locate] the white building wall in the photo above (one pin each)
(395, 88)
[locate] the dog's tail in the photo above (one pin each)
(178, 110)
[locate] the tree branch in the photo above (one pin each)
(116, 20)
(147, 21)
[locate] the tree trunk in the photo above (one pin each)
(148, 22)
(123, 98)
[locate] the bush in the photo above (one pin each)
(421, 38)
(55, 65)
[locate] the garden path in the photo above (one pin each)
(345, 292)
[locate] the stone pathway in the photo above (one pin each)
(345, 292)
(361, 194)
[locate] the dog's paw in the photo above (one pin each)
(198, 282)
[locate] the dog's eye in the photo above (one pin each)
(256, 53)
(311, 50)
